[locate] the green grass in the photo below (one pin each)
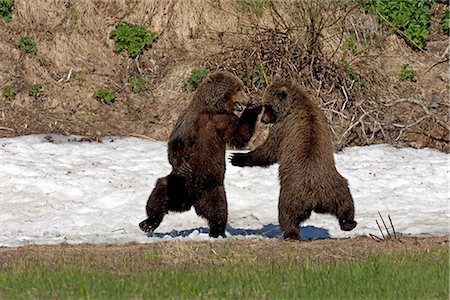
(397, 276)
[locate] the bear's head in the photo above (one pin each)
(222, 92)
(276, 100)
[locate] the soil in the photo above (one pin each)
(360, 91)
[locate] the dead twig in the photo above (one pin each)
(379, 227)
(387, 230)
(392, 226)
(388, 236)
(427, 112)
(376, 238)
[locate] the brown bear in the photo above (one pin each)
(196, 151)
(300, 141)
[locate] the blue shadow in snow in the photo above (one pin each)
(268, 231)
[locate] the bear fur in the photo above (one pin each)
(300, 141)
(196, 151)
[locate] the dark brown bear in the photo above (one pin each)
(196, 151)
(300, 142)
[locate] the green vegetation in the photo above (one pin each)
(6, 9)
(350, 43)
(411, 17)
(34, 90)
(133, 38)
(43, 61)
(254, 7)
(406, 73)
(396, 276)
(105, 95)
(27, 44)
(9, 92)
(138, 82)
(256, 74)
(445, 20)
(352, 76)
(194, 79)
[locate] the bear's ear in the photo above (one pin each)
(282, 93)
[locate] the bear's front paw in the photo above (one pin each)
(148, 226)
(347, 225)
(254, 108)
(238, 159)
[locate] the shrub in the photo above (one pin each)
(6, 9)
(194, 80)
(406, 73)
(445, 20)
(9, 92)
(34, 90)
(138, 82)
(105, 95)
(412, 17)
(133, 38)
(27, 44)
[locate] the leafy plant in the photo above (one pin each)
(105, 95)
(411, 17)
(194, 80)
(34, 90)
(138, 82)
(27, 44)
(9, 92)
(6, 9)
(406, 73)
(445, 20)
(133, 38)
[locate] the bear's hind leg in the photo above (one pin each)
(157, 206)
(213, 207)
(290, 219)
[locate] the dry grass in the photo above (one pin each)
(359, 90)
(178, 253)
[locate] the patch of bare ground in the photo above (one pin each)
(122, 257)
(347, 60)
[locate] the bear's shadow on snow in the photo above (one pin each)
(268, 231)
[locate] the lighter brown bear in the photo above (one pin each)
(196, 151)
(300, 141)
